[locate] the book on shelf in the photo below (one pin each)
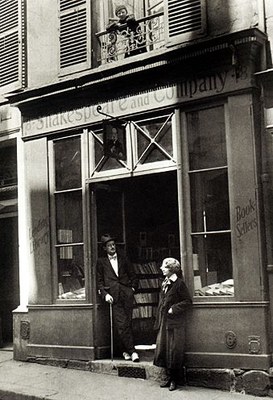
(149, 283)
(146, 268)
(144, 312)
(146, 297)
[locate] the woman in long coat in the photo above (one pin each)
(170, 322)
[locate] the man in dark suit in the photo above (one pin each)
(117, 283)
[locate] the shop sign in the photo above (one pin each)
(191, 88)
(246, 218)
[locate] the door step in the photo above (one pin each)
(129, 369)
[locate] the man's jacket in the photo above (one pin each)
(109, 282)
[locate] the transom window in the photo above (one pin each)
(145, 144)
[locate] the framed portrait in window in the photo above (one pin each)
(114, 139)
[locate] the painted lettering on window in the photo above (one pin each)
(246, 218)
(39, 235)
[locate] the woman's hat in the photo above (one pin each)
(118, 8)
(106, 238)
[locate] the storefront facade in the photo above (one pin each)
(187, 184)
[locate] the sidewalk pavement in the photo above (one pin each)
(28, 381)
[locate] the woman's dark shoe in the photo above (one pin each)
(172, 386)
(165, 384)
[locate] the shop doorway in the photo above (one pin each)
(9, 276)
(142, 214)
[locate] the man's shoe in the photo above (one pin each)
(165, 384)
(172, 386)
(135, 357)
(126, 356)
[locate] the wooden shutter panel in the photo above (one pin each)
(74, 35)
(12, 60)
(185, 20)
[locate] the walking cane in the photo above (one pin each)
(111, 327)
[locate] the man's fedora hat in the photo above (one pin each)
(106, 238)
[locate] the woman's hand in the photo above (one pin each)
(170, 311)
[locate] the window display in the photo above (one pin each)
(71, 273)
(69, 221)
(210, 215)
(69, 217)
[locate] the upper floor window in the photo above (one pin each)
(12, 55)
(185, 20)
(75, 35)
(134, 29)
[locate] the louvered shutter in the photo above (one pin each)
(12, 57)
(75, 54)
(185, 20)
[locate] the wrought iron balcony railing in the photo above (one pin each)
(123, 41)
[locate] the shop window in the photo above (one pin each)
(67, 159)
(71, 273)
(69, 225)
(210, 217)
(12, 39)
(68, 240)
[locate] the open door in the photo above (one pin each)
(107, 216)
(142, 214)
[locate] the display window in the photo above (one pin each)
(67, 158)
(209, 199)
(66, 184)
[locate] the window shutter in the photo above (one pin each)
(185, 20)
(12, 57)
(75, 54)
